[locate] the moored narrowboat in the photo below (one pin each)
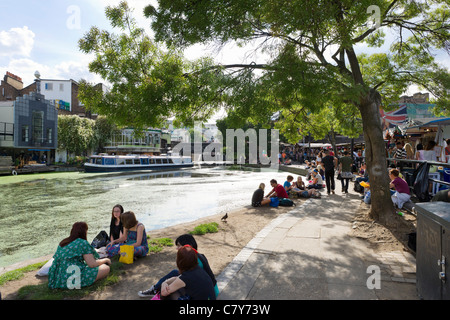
(115, 163)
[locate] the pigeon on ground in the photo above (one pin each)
(224, 218)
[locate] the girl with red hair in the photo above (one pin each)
(76, 264)
(193, 283)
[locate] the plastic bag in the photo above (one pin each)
(367, 198)
(43, 272)
(126, 254)
(420, 178)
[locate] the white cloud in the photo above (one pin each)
(16, 42)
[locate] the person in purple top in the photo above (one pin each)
(402, 193)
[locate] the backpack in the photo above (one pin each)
(358, 187)
(286, 202)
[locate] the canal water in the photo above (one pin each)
(37, 213)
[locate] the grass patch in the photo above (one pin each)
(156, 245)
(202, 229)
(19, 273)
(43, 292)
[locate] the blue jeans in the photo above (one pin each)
(171, 274)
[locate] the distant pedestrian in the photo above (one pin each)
(329, 163)
(345, 169)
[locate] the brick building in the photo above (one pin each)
(62, 93)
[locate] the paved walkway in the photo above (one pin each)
(308, 254)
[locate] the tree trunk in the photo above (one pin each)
(332, 139)
(382, 208)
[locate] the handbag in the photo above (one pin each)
(346, 175)
(339, 177)
(101, 240)
(126, 254)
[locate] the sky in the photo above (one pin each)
(42, 35)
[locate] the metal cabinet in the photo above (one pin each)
(433, 250)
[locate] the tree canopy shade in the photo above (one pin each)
(313, 68)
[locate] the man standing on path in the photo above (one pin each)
(329, 163)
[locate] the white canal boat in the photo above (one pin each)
(111, 163)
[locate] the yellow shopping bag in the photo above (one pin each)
(126, 254)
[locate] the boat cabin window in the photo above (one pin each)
(144, 161)
(128, 161)
(165, 161)
(137, 161)
(158, 161)
(120, 161)
(98, 160)
(170, 161)
(109, 161)
(152, 161)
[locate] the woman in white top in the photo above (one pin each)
(419, 152)
(429, 154)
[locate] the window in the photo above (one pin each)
(137, 161)
(25, 134)
(98, 161)
(38, 126)
(49, 135)
(109, 161)
(49, 86)
(61, 87)
(158, 161)
(144, 160)
(129, 161)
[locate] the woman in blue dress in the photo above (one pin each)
(133, 235)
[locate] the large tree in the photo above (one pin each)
(313, 64)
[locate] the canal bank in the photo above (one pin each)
(286, 253)
(39, 210)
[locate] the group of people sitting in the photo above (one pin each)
(278, 191)
(77, 263)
